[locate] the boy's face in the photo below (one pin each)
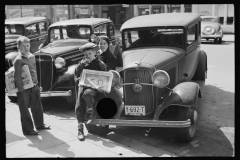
(90, 54)
(24, 47)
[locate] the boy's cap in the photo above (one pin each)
(88, 45)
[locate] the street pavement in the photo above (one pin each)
(61, 140)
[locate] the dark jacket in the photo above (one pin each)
(96, 64)
(109, 59)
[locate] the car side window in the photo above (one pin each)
(31, 30)
(191, 35)
(101, 30)
(43, 26)
(111, 31)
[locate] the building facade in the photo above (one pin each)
(119, 13)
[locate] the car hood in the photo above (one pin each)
(216, 26)
(150, 58)
(63, 46)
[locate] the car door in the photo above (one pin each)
(32, 32)
(193, 49)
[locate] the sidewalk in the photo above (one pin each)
(62, 141)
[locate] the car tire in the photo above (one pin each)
(220, 40)
(187, 134)
(99, 130)
(13, 99)
(72, 99)
(201, 71)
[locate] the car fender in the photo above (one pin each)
(184, 94)
(65, 79)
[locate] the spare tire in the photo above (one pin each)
(208, 30)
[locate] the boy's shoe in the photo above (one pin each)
(31, 133)
(81, 136)
(43, 127)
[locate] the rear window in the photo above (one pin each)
(14, 29)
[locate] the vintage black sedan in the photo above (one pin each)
(35, 28)
(58, 56)
(162, 58)
(211, 29)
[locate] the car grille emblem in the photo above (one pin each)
(137, 87)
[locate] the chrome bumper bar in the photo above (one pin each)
(143, 123)
(49, 94)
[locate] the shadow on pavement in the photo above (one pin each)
(47, 139)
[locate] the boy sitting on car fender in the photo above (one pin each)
(86, 95)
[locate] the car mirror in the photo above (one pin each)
(40, 46)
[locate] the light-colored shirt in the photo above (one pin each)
(18, 62)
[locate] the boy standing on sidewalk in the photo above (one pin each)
(29, 97)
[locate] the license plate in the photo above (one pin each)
(135, 110)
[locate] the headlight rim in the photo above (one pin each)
(168, 78)
(62, 60)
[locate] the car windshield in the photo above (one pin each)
(14, 29)
(154, 37)
(209, 20)
(71, 31)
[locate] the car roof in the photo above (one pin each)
(24, 20)
(82, 21)
(162, 19)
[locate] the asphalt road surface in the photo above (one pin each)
(215, 132)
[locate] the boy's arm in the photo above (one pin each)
(18, 74)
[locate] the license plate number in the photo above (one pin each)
(135, 110)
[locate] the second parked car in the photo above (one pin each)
(59, 54)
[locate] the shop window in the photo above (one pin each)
(229, 20)
(191, 35)
(221, 20)
(188, 7)
(31, 30)
(43, 27)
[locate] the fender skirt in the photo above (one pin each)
(184, 94)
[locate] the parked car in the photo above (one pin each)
(59, 55)
(35, 28)
(211, 29)
(161, 58)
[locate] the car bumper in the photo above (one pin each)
(211, 36)
(143, 123)
(49, 94)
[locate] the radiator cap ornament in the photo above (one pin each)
(137, 87)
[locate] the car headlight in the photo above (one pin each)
(59, 63)
(161, 78)
(116, 78)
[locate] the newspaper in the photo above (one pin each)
(26, 79)
(96, 79)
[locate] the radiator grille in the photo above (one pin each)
(44, 64)
(146, 97)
